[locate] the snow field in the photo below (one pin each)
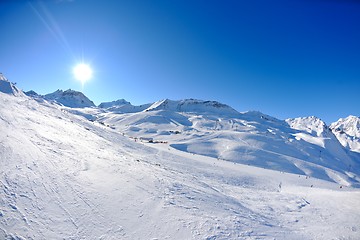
(65, 177)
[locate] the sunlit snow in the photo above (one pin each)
(208, 172)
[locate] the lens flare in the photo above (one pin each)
(82, 72)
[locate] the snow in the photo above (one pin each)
(70, 98)
(119, 102)
(311, 125)
(303, 146)
(65, 177)
(122, 106)
(32, 93)
(193, 105)
(7, 87)
(347, 130)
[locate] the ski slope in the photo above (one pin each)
(63, 176)
(304, 146)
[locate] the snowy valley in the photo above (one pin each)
(187, 169)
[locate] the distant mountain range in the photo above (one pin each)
(187, 169)
(304, 145)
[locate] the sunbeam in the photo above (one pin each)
(50, 23)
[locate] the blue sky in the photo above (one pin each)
(283, 58)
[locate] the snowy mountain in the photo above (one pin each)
(303, 146)
(193, 105)
(122, 106)
(119, 102)
(70, 98)
(32, 93)
(8, 87)
(209, 172)
(347, 130)
(312, 125)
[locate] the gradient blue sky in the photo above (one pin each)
(283, 58)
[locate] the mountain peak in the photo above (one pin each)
(70, 98)
(347, 130)
(312, 125)
(32, 93)
(193, 105)
(123, 106)
(119, 102)
(9, 88)
(349, 125)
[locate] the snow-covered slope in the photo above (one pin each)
(312, 125)
(122, 106)
(119, 102)
(347, 130)
(315, 131)
(65, 177)
(303, 146)
(32, 93)
(7, 87)
(70, 98)
(195, 106)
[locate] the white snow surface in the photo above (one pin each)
(65, 177)
(122, 106)
(347, 130)
(70, 98)
(7, 87)
(194, 106)
(303, 146)
(119, 102)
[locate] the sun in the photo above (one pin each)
(82, 72)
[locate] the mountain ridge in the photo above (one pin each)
(65, 177)
(192, 116)
(164, 102)
(180, 172)
(350, 140)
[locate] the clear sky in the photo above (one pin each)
(283, 58)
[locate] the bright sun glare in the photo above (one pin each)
(82, 72)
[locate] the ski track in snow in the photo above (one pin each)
(63, 177)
